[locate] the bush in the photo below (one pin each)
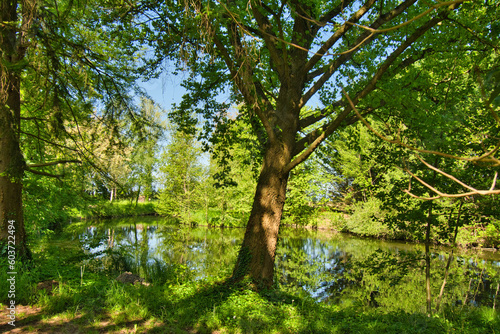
(367, 219)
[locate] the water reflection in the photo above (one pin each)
(332, 268)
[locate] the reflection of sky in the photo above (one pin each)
(166, 244)
(314, 263)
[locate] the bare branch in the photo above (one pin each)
(485, 158)
(440, 194)
(445, 174)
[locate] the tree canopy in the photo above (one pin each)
(408, 63)
(65, 67)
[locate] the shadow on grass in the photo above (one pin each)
(82, 323)
(215, 307)
(235, 308)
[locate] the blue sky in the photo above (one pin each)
(166, 90)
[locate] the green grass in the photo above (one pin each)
(211, 305)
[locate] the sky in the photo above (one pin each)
(166, 90)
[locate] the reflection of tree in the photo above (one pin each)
(337, 269)
(205, 251)
(372, 273)
(397, 278)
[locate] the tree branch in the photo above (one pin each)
(57, 176)
(485, 158)
(440, 194)
(362, 39)
(244, 85)
(341, 31)
(47, 141)
(311, 119)
(52, 163)
(451, 4)
(370, 86)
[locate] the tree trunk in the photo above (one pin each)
(12, 163)
(12, 166)
(496, 294)
(138, 195)
(256, 256)
(450, 258)
(428, 262)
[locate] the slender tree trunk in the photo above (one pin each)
(467, 293)
(496, 294)
(138, 195)
(479, 283)
(256, 256)
(450, 258)
(206, 209)
(428, 262)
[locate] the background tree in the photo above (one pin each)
(181, 175)
(146, 146)
(59, 60)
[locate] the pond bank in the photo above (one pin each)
(324, 284)
(326, 221)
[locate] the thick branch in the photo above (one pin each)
(320, 136)
(270, 39)
(311, 119)
(362, 39)
(53, 163)
(244, 86)
(332, 126)
(338, 35)
(57, 176)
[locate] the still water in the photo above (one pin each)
(329, 267)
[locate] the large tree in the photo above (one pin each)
(62, 67)
(275, 56)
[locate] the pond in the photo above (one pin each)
(329, 267)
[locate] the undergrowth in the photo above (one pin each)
(210, 305)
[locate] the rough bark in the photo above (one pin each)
(12, 163)
(256, 257)
(11, 172)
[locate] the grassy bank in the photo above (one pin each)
(115, 209)
(214, 307)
